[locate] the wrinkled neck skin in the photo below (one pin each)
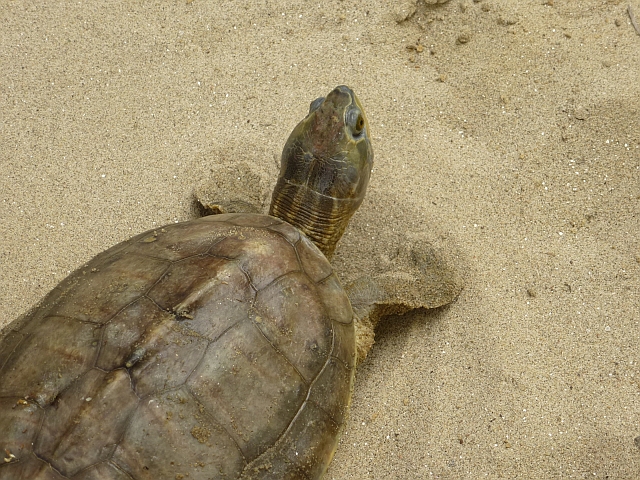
(322, 219)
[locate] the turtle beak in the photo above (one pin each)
(342, 95)
(344, 90)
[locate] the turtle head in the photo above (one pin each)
(325, 169)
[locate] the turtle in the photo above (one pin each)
(222, 347)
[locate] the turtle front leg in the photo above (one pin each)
(237, 188)
(415, 276)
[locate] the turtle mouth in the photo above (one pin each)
(345, 90)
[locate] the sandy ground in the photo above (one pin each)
(508, 131)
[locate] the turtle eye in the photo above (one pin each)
(359, 125)
(355, 120)
(315, 104)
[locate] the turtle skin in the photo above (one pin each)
(218, 348)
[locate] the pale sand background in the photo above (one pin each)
(520, 149)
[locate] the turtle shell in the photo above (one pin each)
(216, 348)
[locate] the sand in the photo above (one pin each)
(508, 132)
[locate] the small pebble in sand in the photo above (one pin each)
(637, 441)
(463, 38)
(417, 47)
(404, 10)
(507, 20)
(581, 113)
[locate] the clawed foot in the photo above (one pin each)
(412, 276)
(238, 188)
